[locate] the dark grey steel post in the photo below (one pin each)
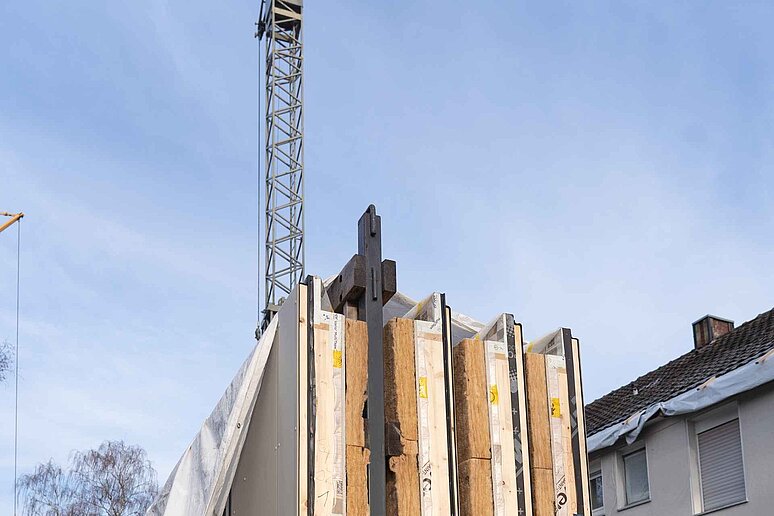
(369, 244)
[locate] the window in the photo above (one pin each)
(721, 469)
(595, 487)
(636, 477)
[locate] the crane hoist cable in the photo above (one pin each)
(15, 217)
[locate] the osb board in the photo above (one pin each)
(471, 395)
(431, 414)
(329, 437)
(400, 414)
(475, 482)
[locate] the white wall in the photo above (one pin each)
(670, 463)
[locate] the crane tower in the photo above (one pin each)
(280, 27)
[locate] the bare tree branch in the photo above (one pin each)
(6, 359)
(114, 480)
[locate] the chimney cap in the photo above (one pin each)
(710, 316)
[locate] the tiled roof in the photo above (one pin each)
(726, 353)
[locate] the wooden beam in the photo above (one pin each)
(349, 285)
(14, 218)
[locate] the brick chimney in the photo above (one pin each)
(709, 328)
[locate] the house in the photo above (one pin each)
(693, 436)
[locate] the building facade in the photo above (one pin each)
(694, 436)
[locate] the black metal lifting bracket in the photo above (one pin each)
(360, 291)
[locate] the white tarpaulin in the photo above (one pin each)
(196, 485)
(712, 391)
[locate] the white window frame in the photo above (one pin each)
(595, 469)
(706, 421)
(621, 500)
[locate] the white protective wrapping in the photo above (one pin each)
(200, 481)
(714, 390)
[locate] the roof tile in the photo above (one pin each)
(726, 353)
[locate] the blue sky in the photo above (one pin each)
(606, 167)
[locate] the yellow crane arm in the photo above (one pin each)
(14, 218)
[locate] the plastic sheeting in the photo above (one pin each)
(714, 390)
(196, 484)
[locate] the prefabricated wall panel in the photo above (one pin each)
(481, 428)
(538, 427)
(560, 377)
(488, 371)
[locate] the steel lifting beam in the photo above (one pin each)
(360, 291)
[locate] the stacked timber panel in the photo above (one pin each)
(541, 459)
(557, 426)
(510, 445)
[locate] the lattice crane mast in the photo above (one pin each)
(280, 27)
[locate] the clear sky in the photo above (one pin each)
(606, 167)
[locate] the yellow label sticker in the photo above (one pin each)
(493, 396)
(337, 359)
(423, 386)
(556, 410)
